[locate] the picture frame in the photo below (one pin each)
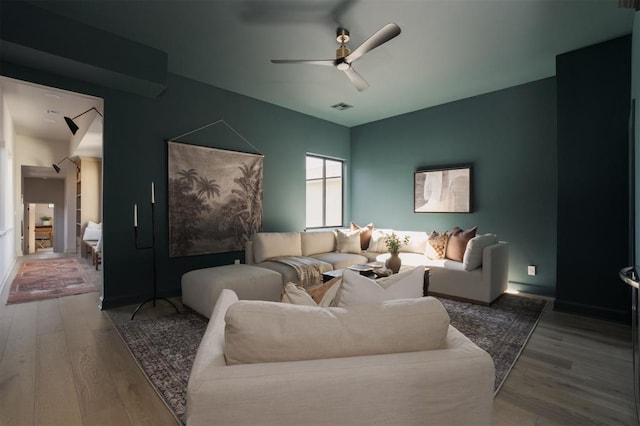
(443, 190)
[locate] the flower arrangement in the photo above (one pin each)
(393, 242)
(45, 218)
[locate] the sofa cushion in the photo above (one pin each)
(457, 243)
(357, 289)
(365, 234)
(267, 245)
(348, 241)
(436, 245)
(472, 258)
(341, 260)
(259, 331)
(317, 242)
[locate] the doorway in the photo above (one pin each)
(40, 228)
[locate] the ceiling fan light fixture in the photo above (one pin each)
(343, 66)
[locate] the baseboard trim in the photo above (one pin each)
(593, 311)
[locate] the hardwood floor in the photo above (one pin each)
(63, 363)
(574, 371)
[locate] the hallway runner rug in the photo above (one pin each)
(39, 279)
(165, 346)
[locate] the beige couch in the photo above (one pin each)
(481, 278)
(429, 372)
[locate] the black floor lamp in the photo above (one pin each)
(153, 249)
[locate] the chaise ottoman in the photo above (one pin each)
(201, 287)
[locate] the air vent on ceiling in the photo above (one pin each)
(341, 106)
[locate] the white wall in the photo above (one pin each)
(8, 209)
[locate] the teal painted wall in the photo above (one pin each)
(508, 136)
(135, 154)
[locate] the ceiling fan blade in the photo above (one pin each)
(357, 80)
(383, 35)
(328, 62)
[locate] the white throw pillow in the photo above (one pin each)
(378, 237)
(472, 258)
(296, 295)
(94, 225)
(348, 242)
(92, 233)
(260, 331)
(357, 289)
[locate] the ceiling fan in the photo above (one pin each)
(345, 57)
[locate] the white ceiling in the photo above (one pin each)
(448, 49)
(39, 111)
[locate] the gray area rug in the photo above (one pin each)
(164, 347)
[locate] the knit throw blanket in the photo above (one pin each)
(308, 269)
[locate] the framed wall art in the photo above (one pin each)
(443, 190)
(215, 199)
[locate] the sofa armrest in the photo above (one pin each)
(495, 268)
(213, 350)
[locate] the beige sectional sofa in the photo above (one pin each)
(481, 277)
(269, 363)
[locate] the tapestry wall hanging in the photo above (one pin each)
(215, 199)
(443, 190)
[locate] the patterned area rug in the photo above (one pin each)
(39, 279)
(165, 347)
(501, 329)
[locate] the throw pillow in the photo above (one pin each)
(365, 234)
(323, 294)
(457, 243)
(472, 258)
(257, 331)
(358, 290)
(378, 238)
(436, 245)
(296, 295)
(318, 295)
(92, 233)
(348, 242)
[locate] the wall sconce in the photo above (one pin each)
(72, 125)
(57, 169)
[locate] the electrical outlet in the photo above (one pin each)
(237, 261)
(531, 270)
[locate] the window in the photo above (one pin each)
(324, 192)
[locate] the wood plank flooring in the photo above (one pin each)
(63, 363)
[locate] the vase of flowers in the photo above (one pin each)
(393, 243)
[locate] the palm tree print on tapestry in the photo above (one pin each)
(215, 199)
